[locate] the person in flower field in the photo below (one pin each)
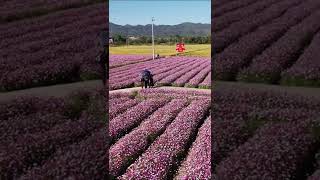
(146, 78)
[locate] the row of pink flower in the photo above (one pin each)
(183, 92)
(308, 65)
(129, 119)
(124, 151)
(119, 60)
(155, 67)
(181, 81)
(116, 95)
(230, 128)
(175, 70)
(28, 48)
(183, 69)
(206, 82)
(276, 151)
(133, 75)
(197, 79)
(236, 54)
(161, 156)
(174, 74)
(162, 72)
(241, 10)
(192, 95)
(198, 162)
(115, 101)
(122, 69)
(30, 149)
(147, 63)
(117, 106)
(230, 34)
(269, 65)
(88, 154)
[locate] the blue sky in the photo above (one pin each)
(168, 12)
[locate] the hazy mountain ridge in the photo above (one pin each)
(183, 29)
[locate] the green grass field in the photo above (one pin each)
(163, 50)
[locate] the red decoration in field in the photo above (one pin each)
(180, 47)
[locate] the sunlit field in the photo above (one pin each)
(163, 50)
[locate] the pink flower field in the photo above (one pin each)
(172, 71)
(160, 137)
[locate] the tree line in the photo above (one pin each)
(119, 39)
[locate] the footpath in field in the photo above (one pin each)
(131, 90)
(60, 90)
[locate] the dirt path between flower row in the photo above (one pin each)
(222, 85)
(59, 90)
(65, 89)
(293, 90)
(163, 87)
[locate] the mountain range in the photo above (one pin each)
(183, 29)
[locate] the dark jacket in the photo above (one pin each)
(145, 75)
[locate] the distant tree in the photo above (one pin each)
(143, 39)
(119, 39)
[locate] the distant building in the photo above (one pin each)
(110, 40)
(133, 38)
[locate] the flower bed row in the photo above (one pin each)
(160, 157)
(121, 60)
(172, 75)
(198, 162)
(69, 49)
(29, 105)
(166, 71)
(125, 70)
(88, 159)
(17, 10)
(33, 128)
(116, 108)
(240, 53)
(223, 38)
(128, 148)
(268, 66)
(277, 151)
(259, 50)
(38, 147)
(123, 123)
(166, 66)
(11, 129)
(306, 70)
(233, 5)
(251, 7)
(270, 132)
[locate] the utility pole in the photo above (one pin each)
(127, 37)
(152, 39)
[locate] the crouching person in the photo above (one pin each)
(146, 79)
